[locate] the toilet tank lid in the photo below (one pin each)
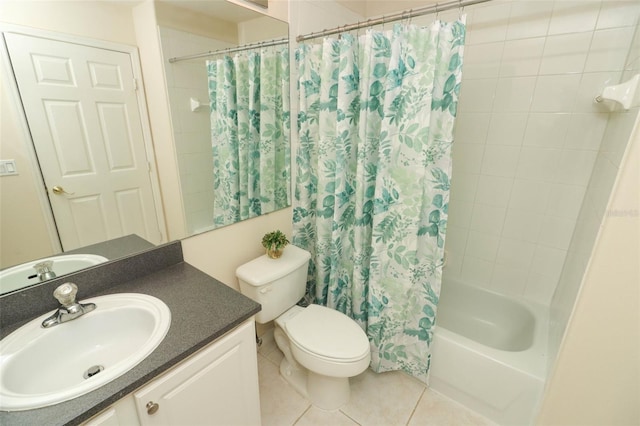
(263, 270)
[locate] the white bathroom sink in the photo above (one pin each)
(25, 274)
(44, 366)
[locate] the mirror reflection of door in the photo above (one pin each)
(82, 110)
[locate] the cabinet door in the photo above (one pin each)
(216, 386)
(122, 413)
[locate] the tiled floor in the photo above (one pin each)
(376, 399)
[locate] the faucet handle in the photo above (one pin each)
(66, 294)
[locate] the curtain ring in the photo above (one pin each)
(437, 11)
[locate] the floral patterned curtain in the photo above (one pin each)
(372, 188)
(249, 98)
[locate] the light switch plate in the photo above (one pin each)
(8, 168)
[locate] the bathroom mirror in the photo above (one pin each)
(234, 24)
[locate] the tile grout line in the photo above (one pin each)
(416, 406)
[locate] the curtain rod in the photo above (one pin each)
(407, 14)
(231, 50)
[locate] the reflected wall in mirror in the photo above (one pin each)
(27, 229)
(242, 138)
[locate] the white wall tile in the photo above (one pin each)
(521, 57)
(455, 245)
(515, 253)
(547, 129)
(483, 246)
(522, 225)
(614, 13)
(617, 134)
(548, 261)
(514, 94)
(556, 232)
(565, 200)
(463, 185)
(483, 60)
(541, 130)
(508, 280)
(538, 163)
(586, 131)
(609, 49)
(477, 95)
(507, 128)
(476, 271)
(565, 53)
(575, 167)
(494, 190)
(489, 23)
(459, 214)
(471, 127)
(488, 219)
(574, 16)
(468, 157)
(555, 93)
(529, 19)
(530, 195)
(500, 160)
(540, 288)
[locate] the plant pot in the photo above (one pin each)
(274, 254)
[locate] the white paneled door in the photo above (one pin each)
(82, 108)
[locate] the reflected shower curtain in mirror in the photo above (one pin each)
(372, 188)
(249, 98)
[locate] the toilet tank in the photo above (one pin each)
(277, 284)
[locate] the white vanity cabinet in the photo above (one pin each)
(218, 385)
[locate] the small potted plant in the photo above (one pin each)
(274, 242)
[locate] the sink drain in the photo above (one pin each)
(92, 371)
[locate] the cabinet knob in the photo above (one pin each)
(152, 407)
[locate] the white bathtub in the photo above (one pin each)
(489, 353)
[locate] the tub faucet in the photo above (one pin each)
(70, 309)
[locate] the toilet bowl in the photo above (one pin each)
(322, 347)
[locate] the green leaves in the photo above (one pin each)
(376, 138)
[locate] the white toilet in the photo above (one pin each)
(322, 347)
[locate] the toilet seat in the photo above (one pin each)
(327, 334)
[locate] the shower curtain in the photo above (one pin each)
(249, 98)
(372, 187)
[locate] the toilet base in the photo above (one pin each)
(296, 377)
(324, 392)
(328, 393)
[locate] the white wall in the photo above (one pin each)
(527, 136)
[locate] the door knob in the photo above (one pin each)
(58, 190)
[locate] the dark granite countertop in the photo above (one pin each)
(115, 248)
(202, 309)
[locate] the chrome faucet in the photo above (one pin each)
(70, 309)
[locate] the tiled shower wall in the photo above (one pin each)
(191, 129)
(528, 134)
(608, 162)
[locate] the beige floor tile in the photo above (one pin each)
(280, 404)
(317, 417)
(275, 356)
(438, 410)
(383, 399)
